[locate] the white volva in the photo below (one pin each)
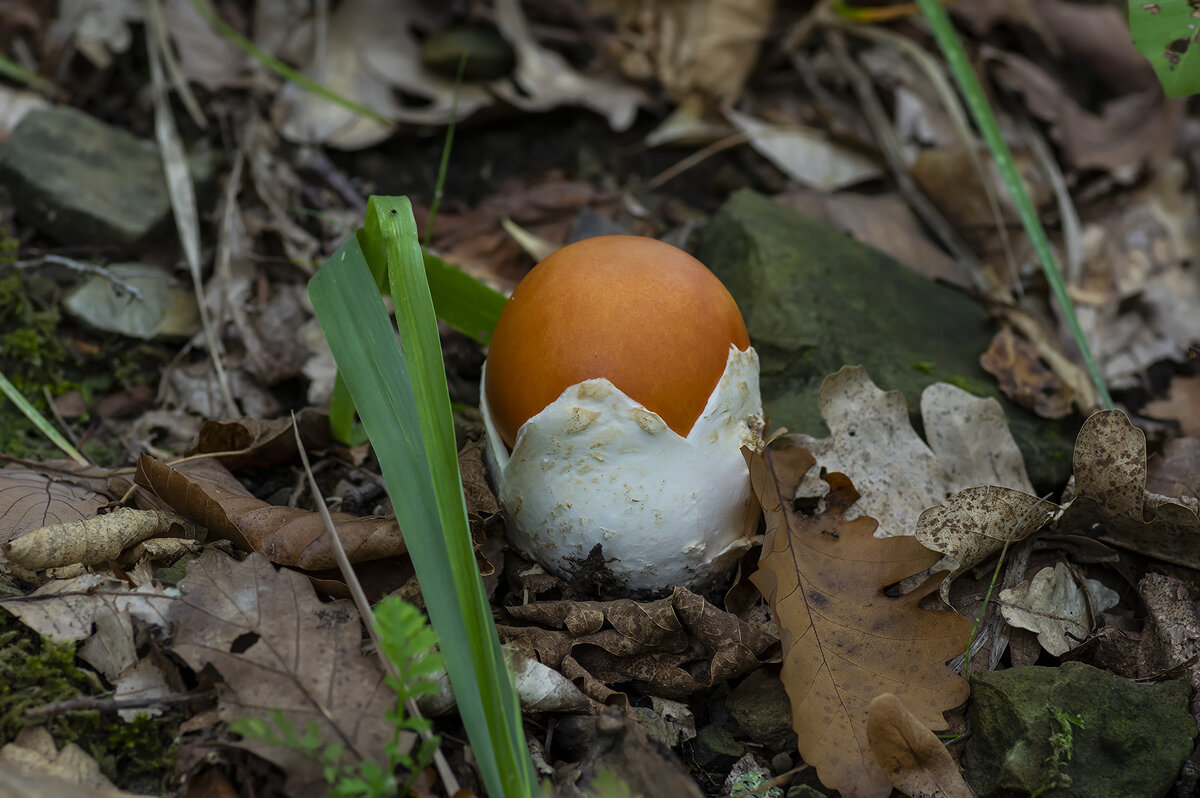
(595, 467)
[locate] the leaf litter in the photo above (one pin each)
(844, 640)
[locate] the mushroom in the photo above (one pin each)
(619, 389)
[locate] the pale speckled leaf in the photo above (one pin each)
(1057, 607)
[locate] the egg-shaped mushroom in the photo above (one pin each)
(619, 390)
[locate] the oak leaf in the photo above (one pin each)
(914, 760)
(844, 640)
(276, 646)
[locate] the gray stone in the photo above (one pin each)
(762, 711)
(715, 748)
(815, 300)
(1133, 739)
(82, 181)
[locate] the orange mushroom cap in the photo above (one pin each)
(644, 314)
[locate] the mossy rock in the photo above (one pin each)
(1127, 738)
(816, 300)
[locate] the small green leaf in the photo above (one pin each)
(1167, 33)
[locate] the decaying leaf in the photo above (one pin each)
(29, 500)
(844, 640)
(1055, 605)
(1182, 404)
(700, 51)
(805, 154)
(1110, 492)
(873, 443)
(1176, 471)
(671, 647)
(912, 757)
(210, 496)
(277, 647)
(98, 539)
(98, 610)
(259, 443)
(33, 765)
(1022, 376)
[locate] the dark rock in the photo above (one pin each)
(815, 300)
(715, 748)
(804, 791)
(82, 181)
(1132, 740)
(762, 711)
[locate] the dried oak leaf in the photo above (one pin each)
(671, 647)
(209, 495)
(844, 640)
(1024, 378)
(914, 760)
(277, 647)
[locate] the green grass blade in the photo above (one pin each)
(461, 301)
(39, 421)
(403, 401)
(968, 84)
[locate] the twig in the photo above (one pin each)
(449, 780)
(83, 702)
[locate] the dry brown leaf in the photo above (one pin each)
(210, 496)
(1017, 366)
(698, 51)
(1128, 132)
(277, 647)
(29, 500)
(1110, 490)
(1182, 404)
(844, 641)
(260, 443)
(670, 647)
(1176, 471)
(912, 757)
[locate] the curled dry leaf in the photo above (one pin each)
(699, 51)
(843, 639)
(1022, 376)
(98, 539)
(1057, 607)
(210, 496)
(912, 757)
(259, 443)
(1110, 491)
(671, 647)
(277, 647)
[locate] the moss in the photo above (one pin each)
(137, 756)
